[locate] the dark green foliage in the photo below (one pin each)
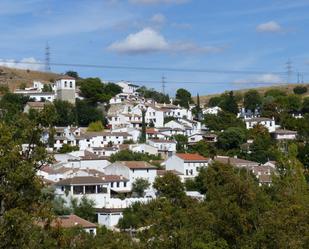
(94, 91)
(151, 93)
(72, 74)
(229, 102)
(222, 121)
(47, 88)
(66, 113)
(87, 113)
(85, 208)
(203, 148)
(182, 142)
(66, 148)
(183, 98)
(300, 90)
(303, 155)
(252, 100)
(305, 105)
(214, 101)
(139, 186)
(128, 155)
(143, 134)
(275, 93)
(231, 138)
(12, 104)
(170, 187)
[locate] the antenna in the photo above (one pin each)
(47, 58)
(163, 84)
(289, 70)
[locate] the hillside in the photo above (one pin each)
(13, 77)
(287, 88)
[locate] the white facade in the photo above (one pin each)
(212, 110)
(127, 87)
(266, 122)
(187, 164)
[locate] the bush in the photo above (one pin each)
(300, 90)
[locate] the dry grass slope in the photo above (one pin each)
(287, 88)
(13, 77)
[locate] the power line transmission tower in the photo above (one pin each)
(47, 58)
(289, 70)
(163, 84)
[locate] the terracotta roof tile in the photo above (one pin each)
(191, 157)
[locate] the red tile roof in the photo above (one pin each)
(191, 157)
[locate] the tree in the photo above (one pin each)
(72, 74)
(95, 126)
(128, 155)
(305, 105)
(275, 93)
(229, 102)
(231, 138)
(156, 96)
(183, 98)
(143, 134)
(85, 208)
(139, 186)
(47, 88)
(252, 100)
(214, 101)
(66, 148)
(222, 121)
(182, 142)
(203, 148)
(66, 113)
(170, 186)
(87, 113)
(300, 90)
(20, 189)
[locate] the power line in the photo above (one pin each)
(140, 68)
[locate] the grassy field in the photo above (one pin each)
(288, 88)
(13, 77)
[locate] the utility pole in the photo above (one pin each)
(47, 58)
(163, 83)
(289, 70)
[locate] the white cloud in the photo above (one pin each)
(158, 19)
(149, 40)
(269, 27)
(145, 2)
(146, 40)
(264, 78)
(26, 63)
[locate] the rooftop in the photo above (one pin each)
(191, 157)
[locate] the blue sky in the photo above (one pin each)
(227, 35)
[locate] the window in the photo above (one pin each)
(118, 184)
(65, 84)
(187, 172)
(71, 84)
(124, 184)
(77, 190)
(112, 184)
(91, 231)
(90, 189)
(101, 189)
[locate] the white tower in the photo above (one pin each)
(66, 89)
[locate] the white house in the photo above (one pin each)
(109, 217)
(132, 170)
(166, 148)
(281, 134)
(266, 122)
(144, 148)
(212, 110)
(94, 188)
(187, 164)
(127, 87)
